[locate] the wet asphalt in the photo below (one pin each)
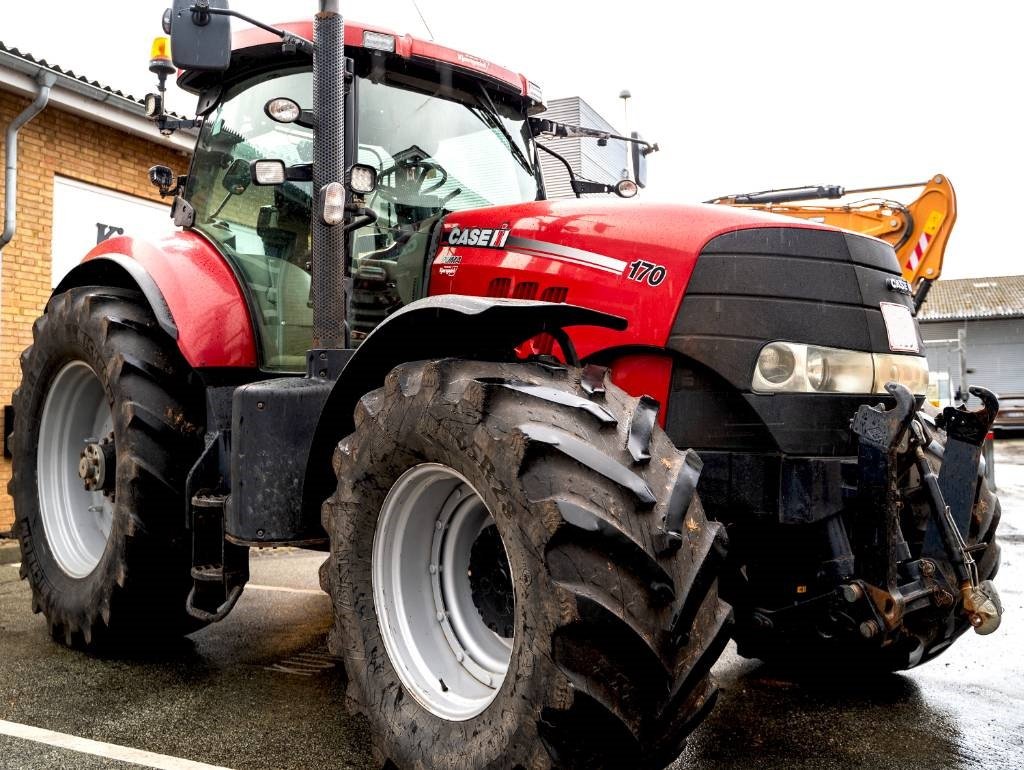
(259, 691)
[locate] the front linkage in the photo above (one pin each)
(895, 580)
(891, 584)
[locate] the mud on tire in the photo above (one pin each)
(139, 585)
(616, 625)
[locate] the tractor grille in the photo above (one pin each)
(819, 287)
(507, 288)
(542, 344)
(749, 287)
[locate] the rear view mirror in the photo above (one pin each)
(237, 178)
(639, 161)
(200, 40)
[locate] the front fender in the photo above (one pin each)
(193, 292)
(445, 326)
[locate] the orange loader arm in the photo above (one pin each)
(918, 231)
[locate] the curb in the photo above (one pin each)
(10, 553)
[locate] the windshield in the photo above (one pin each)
(437, 148)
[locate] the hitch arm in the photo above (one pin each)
(958, 479)
(881, 545)
(980, 600)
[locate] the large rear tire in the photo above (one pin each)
(603, 630)
(111, 562)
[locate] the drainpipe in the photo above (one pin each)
(45, 81)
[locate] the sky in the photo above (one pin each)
(740, 96)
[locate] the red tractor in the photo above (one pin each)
(560, 452)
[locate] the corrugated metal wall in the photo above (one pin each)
(994, 351)
(587, 158)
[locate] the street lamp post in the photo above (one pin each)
(625, 95)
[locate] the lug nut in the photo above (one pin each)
(869, 629)
(852, 593)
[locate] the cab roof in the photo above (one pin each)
(406, 46)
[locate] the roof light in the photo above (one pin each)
(534, 91)
(160, 56)
(268, 171)
(378, 41)
(166, 20)
(362, 179)
(154, 106)
(282, 110)
(332, 203)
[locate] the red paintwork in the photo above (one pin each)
(406, 46)
(665, 234)
(641, 374)
(204, 297)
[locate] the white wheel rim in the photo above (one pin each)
(447, 657)
(76, 522)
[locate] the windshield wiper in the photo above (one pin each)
(487, 108)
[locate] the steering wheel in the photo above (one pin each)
(416, 171)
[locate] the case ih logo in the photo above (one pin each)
(482, 237)
(899, 285)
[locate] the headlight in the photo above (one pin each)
(787, 367)
(776, 364)
(911, 371)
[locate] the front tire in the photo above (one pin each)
(106, 395)
(603, 629)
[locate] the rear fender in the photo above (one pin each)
(445, 326)
(191, 289)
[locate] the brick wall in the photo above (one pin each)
(56, 142)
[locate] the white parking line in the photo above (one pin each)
(285, 589)
(100, 749)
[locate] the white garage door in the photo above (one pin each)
(84, 215)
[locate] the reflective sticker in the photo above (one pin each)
(901, 327)
(933, 223)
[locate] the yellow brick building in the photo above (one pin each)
(90, 146)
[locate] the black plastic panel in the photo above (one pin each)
(750, 287)
(272, 428)
(738, 486)
(807, 242)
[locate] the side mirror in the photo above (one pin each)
(639, 153)
(200, 40)
(237, 178)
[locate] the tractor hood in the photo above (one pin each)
(627, 258)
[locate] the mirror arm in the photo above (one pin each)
(364, 216)
(586, 186)
(545, 126)
(168, 125)
(568, 168)
(290, 41)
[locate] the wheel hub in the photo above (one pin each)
(443, 592)
(93, 465)
(491, 583)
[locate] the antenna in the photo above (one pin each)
(422, 18)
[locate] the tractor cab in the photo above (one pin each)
(440, 139)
